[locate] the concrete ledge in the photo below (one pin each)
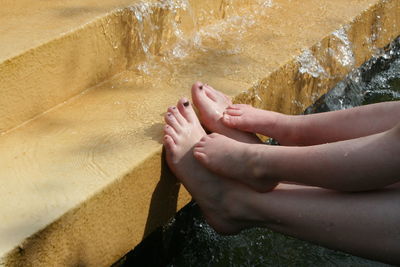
(63, 48)
(84, 182)
(51, 51)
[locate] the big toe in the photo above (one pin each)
(186, 109)
(197, 86)
(202, 96)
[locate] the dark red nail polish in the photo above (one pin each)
(186, 104)
(201, 87)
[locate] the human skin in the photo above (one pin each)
(211, 104)
(364, 224)
(363, 163)
(360, 164)
(303, 130)
(182, 131)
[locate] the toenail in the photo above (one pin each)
(201, 87)
(173, 107)
(169, 114)
(186, 104)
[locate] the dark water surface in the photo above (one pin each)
(188, 240)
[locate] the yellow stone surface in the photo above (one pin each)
(82, 173)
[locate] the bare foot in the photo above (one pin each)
(236, 160)
(250, 119)
(220, 199)
(211, 105)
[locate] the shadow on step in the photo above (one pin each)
(164, 199)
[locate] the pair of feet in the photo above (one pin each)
(200, 160)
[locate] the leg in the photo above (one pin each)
(249, 119)
(361, 164)
(213, 194)
(315, 128)
(363, 224)
(236, 160)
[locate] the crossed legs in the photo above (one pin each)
(364, 224)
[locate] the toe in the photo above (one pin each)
(186, 109)
(230, 121)
(215, 94)
(169, 144)
(171, 121)
(204, 139)
(210, 93)
(197, 86)
(178, 116)
(199, 147)
(168, 130)
(200, 95)
(213, 135)
(233, 111)
(238, 106)
(201, 157)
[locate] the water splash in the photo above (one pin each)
(189, 241)
(377, 79)
(344, 54)
(309, 64)
(151, 17)
(266, 3)
(159, 32)
(375, 32)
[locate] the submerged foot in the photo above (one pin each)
(216, 196)
(211, 105)
(235, 160)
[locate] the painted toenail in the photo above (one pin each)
(186, 104)
(173, 107)
(201, 87)
(169, 114)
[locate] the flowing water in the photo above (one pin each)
(377, 80)
(189, 241)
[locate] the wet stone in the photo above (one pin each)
(189, 241)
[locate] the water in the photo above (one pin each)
(164, 33)
(164, 38)
(188, 240)
(375, 81)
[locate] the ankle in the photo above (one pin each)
(229, 215)
(237, 206)
(257, 161)
(288, 130)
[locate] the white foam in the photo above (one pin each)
(344, 55)
(309, 64)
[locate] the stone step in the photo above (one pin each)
(53, 50)
(84, 181)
